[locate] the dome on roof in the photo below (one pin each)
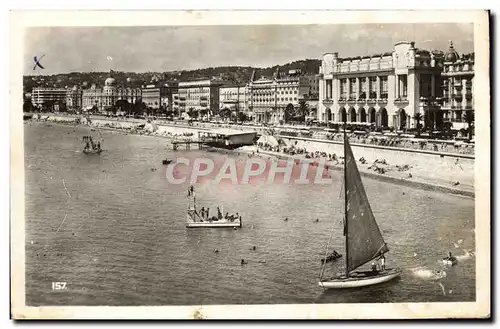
(109, 81)
(451, 55)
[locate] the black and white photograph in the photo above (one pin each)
(220, 164)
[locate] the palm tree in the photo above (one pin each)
(418, 117)
(468, 117)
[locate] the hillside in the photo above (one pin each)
(229, 74)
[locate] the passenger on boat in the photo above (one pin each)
(374, 267)
(202, 212)
(207, 212)
(382, 262)
(99, 145)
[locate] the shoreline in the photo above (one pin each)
(422, 183)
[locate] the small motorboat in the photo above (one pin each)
(331, 257)
(166, 161)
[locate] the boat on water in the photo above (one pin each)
(92, 151)
(166, 161)
(197, 218)
(363, 240)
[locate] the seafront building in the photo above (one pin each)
(384, 89)
(233, 97)
(104, 98)
(200, 96)
(269, 99)
(74, 98)
(42, 95)
(458, 87)
(159, 95)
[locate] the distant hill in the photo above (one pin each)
(229, 74)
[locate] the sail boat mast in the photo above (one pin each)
(345, 201)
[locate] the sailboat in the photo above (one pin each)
(363, 240)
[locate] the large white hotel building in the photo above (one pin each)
(389, 89)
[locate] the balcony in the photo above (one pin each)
(401, 100)
(328, 101)
(458, 84)
(382, 100)
(351, 100)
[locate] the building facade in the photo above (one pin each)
(387, 90)
(233, 97)
(270, 99)
(41, 95)
(199, 96)
(458, 88)
(159, 95)
(105, 98)
(74, 98)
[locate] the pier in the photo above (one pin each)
(187, 144)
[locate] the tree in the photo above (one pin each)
(242, 117)
(225, 113)
(122, 105)
(469, 118)
(28, 106)
(418, 117)
(138, 107)
(289, 112)
(193, 113)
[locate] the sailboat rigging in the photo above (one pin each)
(363, 239)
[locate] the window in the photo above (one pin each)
(352, 88)
(343, 88)
(383, 87)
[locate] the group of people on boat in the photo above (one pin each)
(381, 262)
(205, 215)
(90, 145)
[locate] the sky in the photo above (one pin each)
(171, 48)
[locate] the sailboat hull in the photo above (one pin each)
(360, 279)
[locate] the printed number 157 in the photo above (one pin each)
(58, 285)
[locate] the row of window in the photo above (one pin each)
(279, 99)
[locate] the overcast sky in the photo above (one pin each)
(168, 48)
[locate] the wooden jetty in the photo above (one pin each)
(187, 144)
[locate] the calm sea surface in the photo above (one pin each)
(124, 240)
